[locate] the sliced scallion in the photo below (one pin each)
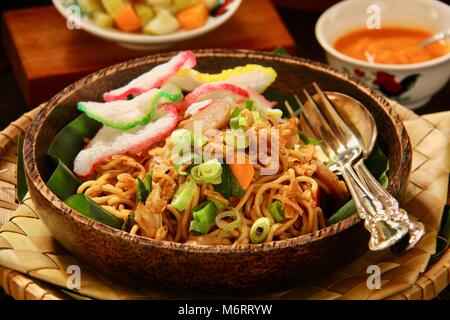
(205, 212)
(204, 216)
(276, 210)
(234, 123)
(259, 230)
(225, 225)
(199, 228)
(219, 205)
(183, 195)
(182, 140)
(307, 139)
(250, 105)
(207, 172)
(144, 187)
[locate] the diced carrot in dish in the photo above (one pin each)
(193, 17)
(243, 172)
(127, 20)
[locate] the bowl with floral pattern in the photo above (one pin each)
(411, 84)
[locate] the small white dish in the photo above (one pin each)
(144, 41)
(429, 76)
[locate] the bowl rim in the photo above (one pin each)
(136, 38)
(329, 48)
(35, 177)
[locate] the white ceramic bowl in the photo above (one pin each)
(430, 76)
(144, 41)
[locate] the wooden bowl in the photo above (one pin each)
(208, 268)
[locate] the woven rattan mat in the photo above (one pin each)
(34, 266)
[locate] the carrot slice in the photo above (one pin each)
(127, 20)
(243, 172)
(194, 16)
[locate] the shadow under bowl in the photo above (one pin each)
(150, 263)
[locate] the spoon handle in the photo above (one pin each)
(384, 231)
(416, 229)
(438, 36)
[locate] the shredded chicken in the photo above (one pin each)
(336, 187)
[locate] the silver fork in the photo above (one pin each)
(344, 148)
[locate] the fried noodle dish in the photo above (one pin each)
(215, 163)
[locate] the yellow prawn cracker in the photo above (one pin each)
(257, 76)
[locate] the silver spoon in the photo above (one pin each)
(361, 122)
(344, 147)
(436, 37)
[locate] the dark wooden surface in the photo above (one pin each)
(48, 58)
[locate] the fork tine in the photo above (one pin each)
(334, 119)
(320, 126)
(304, 124)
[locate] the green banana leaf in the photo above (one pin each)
(280, 50)
(66, 145)
(63, 182)
(445, 224)
(378, 165)
(22, 187)
(280, 98)
(92, 210)
(71, 139)
(443, 239)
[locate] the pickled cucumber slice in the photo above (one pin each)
(161, 3)
(144, 12)
(90, 6)
(183, 4)
(113, 7)
(102, 19)
(163, 23)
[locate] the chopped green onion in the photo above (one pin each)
(205, 212)
(148, 181)
(276, 210)
(182, 140)
(183, 195)
(238, 122)
(197, 227)
(208, 172)
(236, 112)
(250, 105)
(144, 187)
(227, 226)
(219, 205)
(234, 123)
(307, 139)
(259, 230)
(204, 216)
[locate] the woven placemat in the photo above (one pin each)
(34, 266)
